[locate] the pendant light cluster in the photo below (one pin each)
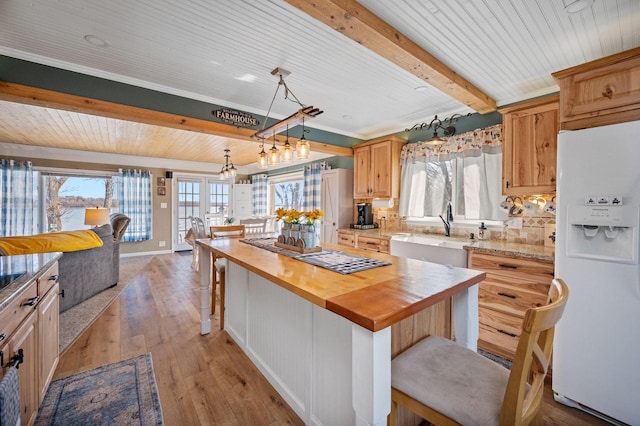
(227, 171)
(303, 148)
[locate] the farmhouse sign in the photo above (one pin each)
(237, 118)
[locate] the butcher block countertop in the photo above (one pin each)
(374, 299)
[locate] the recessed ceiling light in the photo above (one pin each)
(96, 41)
(249, 78)
(421, 89)
(578, 6)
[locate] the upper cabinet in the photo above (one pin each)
(530, 132)
(601, 92)
(377, 168)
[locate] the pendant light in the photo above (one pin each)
(262, 157)
(227, 171)
(303, 149)
(274, 154)
(287, 152)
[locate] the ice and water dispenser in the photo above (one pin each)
(603, 228)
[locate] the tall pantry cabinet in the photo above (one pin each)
(336, 200)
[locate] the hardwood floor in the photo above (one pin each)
(202, 380)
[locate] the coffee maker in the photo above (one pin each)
(365, 214)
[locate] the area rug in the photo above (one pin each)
(496, 358)
(122, 393)
(75, 320)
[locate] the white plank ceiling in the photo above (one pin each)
(223, 52)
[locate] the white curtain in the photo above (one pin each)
(16, 198)
(470, 162)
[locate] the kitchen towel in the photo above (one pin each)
(10, 398)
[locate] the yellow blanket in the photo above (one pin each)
(45, 243)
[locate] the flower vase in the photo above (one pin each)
(295, 232)
(285, 230)
(308, 235)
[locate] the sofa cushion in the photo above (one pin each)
(103, 230)
(119, 223)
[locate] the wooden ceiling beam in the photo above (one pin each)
(359, 24)
(50, 99)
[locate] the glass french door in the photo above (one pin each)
(196, 196)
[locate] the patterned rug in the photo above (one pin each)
(122, 393)
(75, 320)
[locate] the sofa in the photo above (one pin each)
(85, 273)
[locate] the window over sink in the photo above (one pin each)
(466, 171)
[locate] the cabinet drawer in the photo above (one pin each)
(502, 294)
(519, 269)
(47, 280)
(500, 330)
(14, 313)
(374, 244)
(346, 239)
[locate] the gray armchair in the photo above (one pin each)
(85, 273)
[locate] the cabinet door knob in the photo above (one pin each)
(53, 277)
(31, 301)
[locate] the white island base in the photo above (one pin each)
(330, 370)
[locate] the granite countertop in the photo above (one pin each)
(17, 272)
(527, 251)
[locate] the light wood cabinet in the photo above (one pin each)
(601, 92)
(364, 242)
(530, 133)
(377, 168)
(512, 286)
(25, 338)
(30, 324)
(48, 338)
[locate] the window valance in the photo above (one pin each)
(469, 144)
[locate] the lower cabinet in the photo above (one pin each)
(364, 242)
(25, 338)
(48, 338)
(512, 286)
(30, 324)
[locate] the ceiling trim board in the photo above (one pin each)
(50, 99)
(365, 28)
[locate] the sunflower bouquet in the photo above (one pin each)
(312, 216)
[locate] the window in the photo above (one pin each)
(219, 198)
(286, 191)
(62, 198)
(466, 172)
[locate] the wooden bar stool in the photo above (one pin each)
(220, 264)
(447, 384)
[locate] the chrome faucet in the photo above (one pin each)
(447, 222)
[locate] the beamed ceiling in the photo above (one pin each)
(374, 67)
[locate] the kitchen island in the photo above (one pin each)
(324, 339)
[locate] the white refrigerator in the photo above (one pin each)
(596, 359)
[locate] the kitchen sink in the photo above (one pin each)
(446, 252)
